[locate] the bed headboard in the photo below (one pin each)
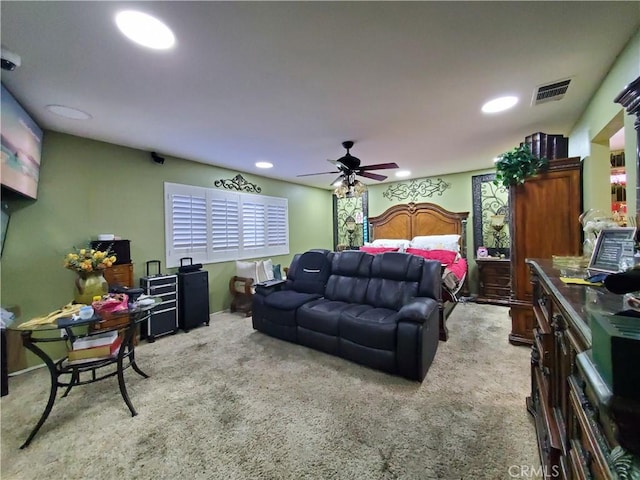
(409, 220)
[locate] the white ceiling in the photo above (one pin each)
(287, 82)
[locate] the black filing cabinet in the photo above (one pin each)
(193, 299)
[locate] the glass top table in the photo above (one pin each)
(64, 373)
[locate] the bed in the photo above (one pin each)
(411, 220)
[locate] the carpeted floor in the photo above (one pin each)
(227, 402)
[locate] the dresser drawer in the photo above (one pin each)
(587, 442)
(544, 344)
(120, 275)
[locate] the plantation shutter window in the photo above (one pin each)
(253, 225)
(277, 232)
(213, 225)
(225, 231)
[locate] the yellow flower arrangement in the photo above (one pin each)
(86, 260)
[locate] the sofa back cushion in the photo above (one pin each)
(311, 272)
(350, 273)
(397, 277)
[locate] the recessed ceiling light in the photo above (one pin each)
(499, 104)
(68, 112)
(145, 30)
(264, 164)
(403, 173)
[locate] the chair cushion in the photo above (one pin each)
(369, 326)
(321, 316)
(289, 299)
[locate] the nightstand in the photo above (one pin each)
(494, 280)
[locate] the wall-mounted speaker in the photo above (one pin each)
(157, 158)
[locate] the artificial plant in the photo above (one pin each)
(515, 166)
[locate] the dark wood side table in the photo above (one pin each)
(494, 280)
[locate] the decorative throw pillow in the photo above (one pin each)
(437, 242)
(277, 272)
(400, 244)
(247, 270)
(265, 270)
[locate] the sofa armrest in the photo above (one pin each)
(418, 310)
(268, 287)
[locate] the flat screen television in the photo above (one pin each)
(21, 140)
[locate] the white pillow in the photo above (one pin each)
(437, 242)
(400, 244)
(265, 270)
(247, 270)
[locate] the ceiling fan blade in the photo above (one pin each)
(339, 179)
(319, 173)
(379, 166)
(374, 176)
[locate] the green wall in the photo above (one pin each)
(89, 187)
(602, 118)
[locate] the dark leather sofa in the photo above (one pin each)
(380, 310)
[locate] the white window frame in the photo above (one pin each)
(241, 226)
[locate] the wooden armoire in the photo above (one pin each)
(544, 213)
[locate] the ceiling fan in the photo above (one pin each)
(348, 166)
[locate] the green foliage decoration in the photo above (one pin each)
(515, 166)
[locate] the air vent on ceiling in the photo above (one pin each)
(550, 92)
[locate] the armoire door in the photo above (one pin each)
(544, 222)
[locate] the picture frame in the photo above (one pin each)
(611, 246)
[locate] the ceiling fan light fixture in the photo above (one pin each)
(500, 104)
(145, 30)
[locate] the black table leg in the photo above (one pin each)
(75, 378)
(26, 340)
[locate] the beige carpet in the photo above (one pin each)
(227, 402)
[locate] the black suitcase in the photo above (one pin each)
(193, 295)
(164, 317)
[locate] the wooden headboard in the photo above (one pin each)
(412, 219)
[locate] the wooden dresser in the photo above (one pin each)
(494, 285)
(583, 430)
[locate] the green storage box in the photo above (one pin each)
(615, 349)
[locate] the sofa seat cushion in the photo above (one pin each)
(289, 299)
(369, 326)
(321, 315)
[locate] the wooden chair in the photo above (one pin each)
(241, 290)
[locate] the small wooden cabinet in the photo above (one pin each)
(120, 275)
(494, 280)
(117, 275)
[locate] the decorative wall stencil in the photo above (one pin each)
(490, 200)
(415, 189)
(238, 183)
